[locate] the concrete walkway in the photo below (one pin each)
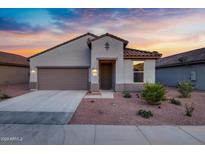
(100, 134)
(41, 107)
(101, 95)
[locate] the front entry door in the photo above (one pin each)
(106, 76)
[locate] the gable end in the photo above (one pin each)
(63, 44)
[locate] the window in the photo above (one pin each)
(138, 69)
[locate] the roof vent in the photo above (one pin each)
(107, 45)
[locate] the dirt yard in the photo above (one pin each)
(123, 111)
(14, 90)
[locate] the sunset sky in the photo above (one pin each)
(169, 31)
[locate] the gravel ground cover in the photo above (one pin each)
(123, 110)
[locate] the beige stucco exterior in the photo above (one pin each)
(149, 71)
(78, 53)
(149, 75)
(115, 52)
(124, 68)
(75, 53)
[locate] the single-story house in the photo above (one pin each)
(187, 66)
(14, 69)
(93, 63)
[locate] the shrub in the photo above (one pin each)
(126, 94)
(189, 109)
(137, 95)
(144, 113)
(92, 101)
(185, 88)
(153, 93)
(4, 96)
(175, 101)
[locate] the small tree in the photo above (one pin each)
(153, 93)
(185, 88)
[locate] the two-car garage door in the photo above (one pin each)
(62, 78)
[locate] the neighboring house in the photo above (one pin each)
(180, 67)
(14, 69)
(91, 62)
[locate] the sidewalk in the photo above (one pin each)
(100, 134)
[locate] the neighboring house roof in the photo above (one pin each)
(13, 60)
(63, 44)
(110, 35)
(140, 54)
(191, 57)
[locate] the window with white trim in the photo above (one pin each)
(138, 71)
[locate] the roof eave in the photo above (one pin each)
(62, 44)
(181, 64)
(125, 42)
(141, 57)
(13, 64)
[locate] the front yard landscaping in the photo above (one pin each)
(125, 111)
(8, 91)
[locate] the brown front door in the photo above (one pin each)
(106, 76)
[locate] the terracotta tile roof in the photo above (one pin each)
(190, 57)
(13, 59)
(140, 54)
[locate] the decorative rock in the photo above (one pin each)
(92, 101)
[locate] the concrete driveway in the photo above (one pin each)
(41, 107)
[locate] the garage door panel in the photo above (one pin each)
(62, 78)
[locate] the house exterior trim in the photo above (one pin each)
(141, 58)
(110, 35)
(12, 64)
(62, 67)
(63, 44)
(182, 64)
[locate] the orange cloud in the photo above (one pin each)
(25, 52)
(168, 35)
(29, 44)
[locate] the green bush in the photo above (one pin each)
(145, 114)
(175, 101)
(185, 88)
(153, 93)
(126, 94)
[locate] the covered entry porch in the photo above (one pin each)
(103, 75)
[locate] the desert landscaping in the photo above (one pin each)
(14, 90)
(124, 111)
(8, 91)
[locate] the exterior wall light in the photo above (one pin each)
(94, 72)
(33, 71)
(107, 45)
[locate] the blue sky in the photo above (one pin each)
(169, 31)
